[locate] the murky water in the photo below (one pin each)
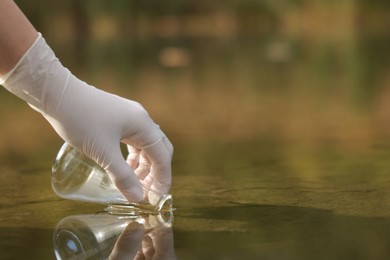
(251, 202)
(233, 200)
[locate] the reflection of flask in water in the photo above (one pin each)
(75, 176)
(82, 237)
(94, 236)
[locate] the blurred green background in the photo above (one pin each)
(299, 82)
(278, 109)
(286, 70)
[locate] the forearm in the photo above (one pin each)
(17, 34)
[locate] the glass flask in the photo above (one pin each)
(94, 236)
(76, 177)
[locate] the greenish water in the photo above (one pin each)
(334, 205)
(234, 201)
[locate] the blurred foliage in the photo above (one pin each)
(255, 69)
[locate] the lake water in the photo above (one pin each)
(256, 200)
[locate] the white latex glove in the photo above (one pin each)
(94, 122)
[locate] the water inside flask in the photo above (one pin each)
(76, 177)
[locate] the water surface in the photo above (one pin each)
(252, 200)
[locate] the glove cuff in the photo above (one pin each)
(4, 78)
(38, 77)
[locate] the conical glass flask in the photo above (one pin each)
(76, 177)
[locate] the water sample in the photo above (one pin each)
(76, 177)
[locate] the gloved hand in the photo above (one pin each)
(94, 122)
